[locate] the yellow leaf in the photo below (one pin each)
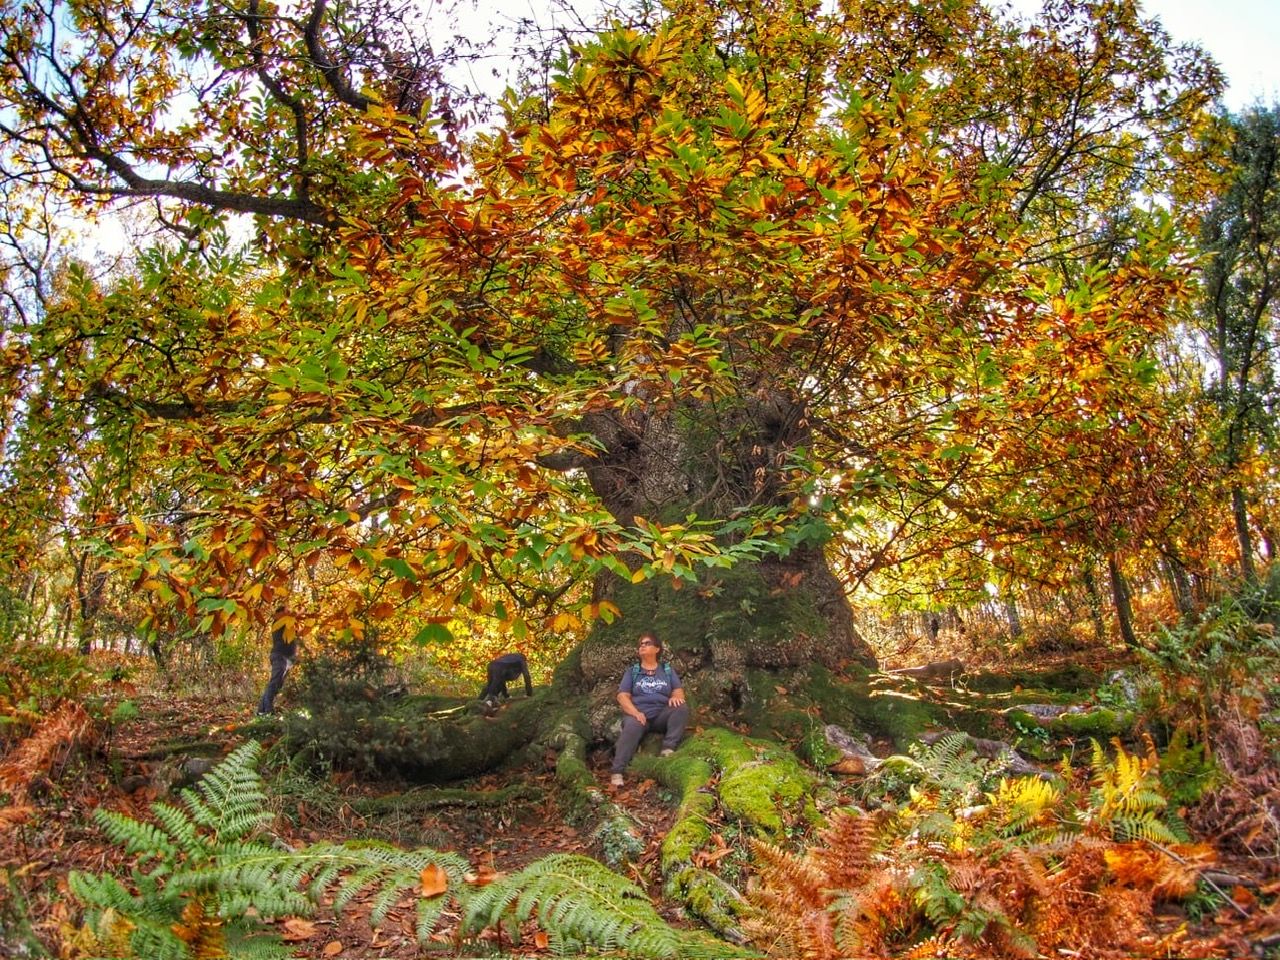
(565, 621)
(434, 881)
(541, 940)
(332, 948)
(482, 877)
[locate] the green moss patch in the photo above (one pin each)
(1100, 724)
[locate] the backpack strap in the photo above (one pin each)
(635, 671)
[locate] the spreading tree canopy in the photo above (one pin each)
(758, 296)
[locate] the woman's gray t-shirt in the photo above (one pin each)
(650, 690)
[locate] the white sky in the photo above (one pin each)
(1242, 35)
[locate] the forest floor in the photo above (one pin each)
(54, 834)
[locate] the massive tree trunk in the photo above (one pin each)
(713, 460)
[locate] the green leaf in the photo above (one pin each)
(433, 633)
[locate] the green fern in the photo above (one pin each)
(206, 881)
(578, 903)
(201, 870)
(934, 895)
(179, 874)
(948, 768)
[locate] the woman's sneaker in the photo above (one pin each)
(616, 780)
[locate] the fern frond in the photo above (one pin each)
(579, 901)
(100, 892)
(427, 915)
(801, 879)
(106, 935)
(868, 919)
(57, 735)
(204, 935)
(1144, 826)
(940, 825)
(844, 848)
(932, 892)
(195, 893)
(1166, 876)
(137, 838)
(252, 944)
(231, 801)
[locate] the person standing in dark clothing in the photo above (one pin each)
(284, 654)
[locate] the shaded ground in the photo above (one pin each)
(147, 759)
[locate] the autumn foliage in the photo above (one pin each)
(738, 281)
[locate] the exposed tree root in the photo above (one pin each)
(618, 835)
(434, 798)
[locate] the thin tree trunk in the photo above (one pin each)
(1095, 605)
(1120, 595)
(1239, 510)
(91, 581)
(1175, 575)
(1011, 614)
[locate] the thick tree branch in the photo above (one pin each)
(332, 73)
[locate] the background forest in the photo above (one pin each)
(911, 370)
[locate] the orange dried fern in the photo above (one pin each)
(1084, 911)
(45, 751)
(202, 932)
(794, 892)
(1034, 870)
(1169, 874)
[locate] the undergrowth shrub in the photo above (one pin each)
(208, 879)
(34, 679)
(342, 717)
(1218, 684)
(1231, 652)
(962, 863)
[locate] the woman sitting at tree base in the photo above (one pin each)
(652, 699)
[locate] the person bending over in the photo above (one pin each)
(502, 670)
(652, 699)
